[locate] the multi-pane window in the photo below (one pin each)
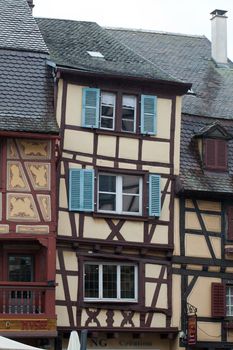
(107, 113)
(116, 194)
(20, 268)
(229, 300)
(117, 111)
(110, 281)
(121, 194)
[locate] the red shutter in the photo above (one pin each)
(230, 223)
(210, 153)
(221, 154)
(218, 300)
(215, 154)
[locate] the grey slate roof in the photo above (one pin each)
(18, 28)
(68, 42)
(26, 84)
(192, 175)
(26, 88)
(189, 59)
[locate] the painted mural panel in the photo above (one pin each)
(28, 183)
(21, 207)
(34, 149)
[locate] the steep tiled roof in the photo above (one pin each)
(192, 175)
(18, 28)
(189, 59)
(26, 88)
(69, 42)
(26, 84)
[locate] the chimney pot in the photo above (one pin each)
(30, 4)
(219, 36)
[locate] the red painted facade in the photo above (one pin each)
(28, 235)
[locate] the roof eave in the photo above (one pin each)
(29, 134)
(183, 87)
(185, 192)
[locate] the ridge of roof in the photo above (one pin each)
(151, 31)
(64, 20)
(189, 59)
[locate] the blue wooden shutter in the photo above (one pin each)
(154, 195)
(90, 107)
(148, 114)
(81, 190)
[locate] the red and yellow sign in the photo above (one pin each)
(45, 324)
(192, 330)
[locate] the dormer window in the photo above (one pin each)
(215, 154)
(212, 141)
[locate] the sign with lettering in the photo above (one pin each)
(192, 330)
(120, 343)
(45, 324)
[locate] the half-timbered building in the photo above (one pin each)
(202, 260)
(28, 133)
(119, 116)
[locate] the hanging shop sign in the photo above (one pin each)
(192, 330)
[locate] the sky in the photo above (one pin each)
(177, 16)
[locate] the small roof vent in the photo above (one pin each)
(95, 54)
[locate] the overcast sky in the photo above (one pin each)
(179, 16)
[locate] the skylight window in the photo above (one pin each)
(95, 54)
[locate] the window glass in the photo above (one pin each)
(229, 300)
(107, 192)
(130, 192)
(109, 281)
(91, 281)
(128, 113)
(107, 183)
(20, 268)
(107, 115)
(127, 282)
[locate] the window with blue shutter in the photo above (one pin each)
(90, 107)
(154, 195)
(148, 114)
(81, 190)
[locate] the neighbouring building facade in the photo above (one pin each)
(119, 117)
(202, 263)
(140, 184)
(28, 139)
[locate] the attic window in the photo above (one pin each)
(215, 154)
(95, 54)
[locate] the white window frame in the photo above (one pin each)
(119, 195)
(100, 289)
(229, 295)
(114, 111)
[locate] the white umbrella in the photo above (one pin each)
(74, 343)
(8, 344)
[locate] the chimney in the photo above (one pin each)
(30, 4)
(219, 36)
